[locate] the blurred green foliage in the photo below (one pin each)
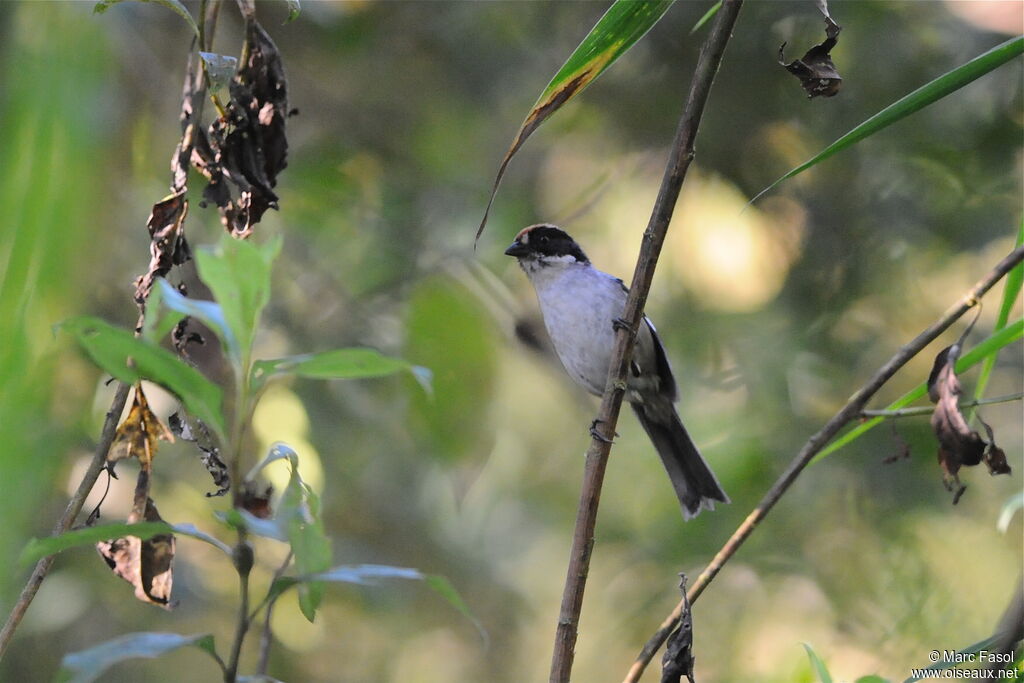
(771, 317)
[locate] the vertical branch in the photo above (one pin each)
(654, 237)
(816, 443)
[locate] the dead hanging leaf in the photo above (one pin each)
(209, 454)
(247, 148)
(137, 436)
(678, 658)
(959, 445)
(147, 565)
(256, 500)
(168, 246)
(816, 71)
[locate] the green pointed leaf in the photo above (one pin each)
(915, 101)
(625, 22)
(173, 5)
(872, 679)
(299, 514)
(712, 11)
(337, 364)
(369, 574)
(111, 347)
(819, 666)
(208, 312)
(87, 665)
(38, 548)
(238, 274)
(1011, 290)
(1003, 337)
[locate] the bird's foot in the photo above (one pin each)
(598, 435)
(622, 324)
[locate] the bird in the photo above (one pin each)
(581, 307)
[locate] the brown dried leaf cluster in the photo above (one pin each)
(144, 564)
(245, 150)
(816, 70)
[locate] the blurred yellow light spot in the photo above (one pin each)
(734, 259)
(280, 416)
(294, 630)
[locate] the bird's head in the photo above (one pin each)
(544, 245)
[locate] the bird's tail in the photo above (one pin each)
(694, 482)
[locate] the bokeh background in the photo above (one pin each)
(772, 317)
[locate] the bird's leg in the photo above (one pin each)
(598, 435)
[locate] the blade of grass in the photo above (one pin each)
(1011, 290)
(915, 101)
(625, 22)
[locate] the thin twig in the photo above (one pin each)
(928, 410)
(650, 248)
(267, 637)
(74, 506)
(849, 412)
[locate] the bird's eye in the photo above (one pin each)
(544, 239)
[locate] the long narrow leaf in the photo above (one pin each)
(820, 670)
(88, 665)
(1011, 290)
(1004, 337)
(915, 101)
(112, 347)
(625, 22)
(38, 548)
(173, 5)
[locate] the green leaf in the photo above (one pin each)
(915, 101)
(174, 5)
(87, 665)
(238, 274)
(819, 666)
(293, 11)
(625, 22)
(208, 312)
(299, 514)
(111, 347)
(1011, 290)
(38, 548)
(712, 11)
(872, 679)
(970, 649)
(1003, 337)
(1011, 507)
(369, 574)
(338, 364)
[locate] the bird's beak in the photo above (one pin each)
(517, 249)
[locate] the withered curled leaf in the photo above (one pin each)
(678, 658)
(816, 70)
(246, 149)
(209, 454)
(168, 246)
(147, 565)
(137, 436)
(959, 445)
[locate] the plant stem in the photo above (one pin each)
(847, 413)
(243, 559)
(74, 506)
(267, 637)
(654, 236)
(928, 410)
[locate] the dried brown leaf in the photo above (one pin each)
(137, 436)
(678, 658)
(147, 565)
(168, 246)
(816, 70)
